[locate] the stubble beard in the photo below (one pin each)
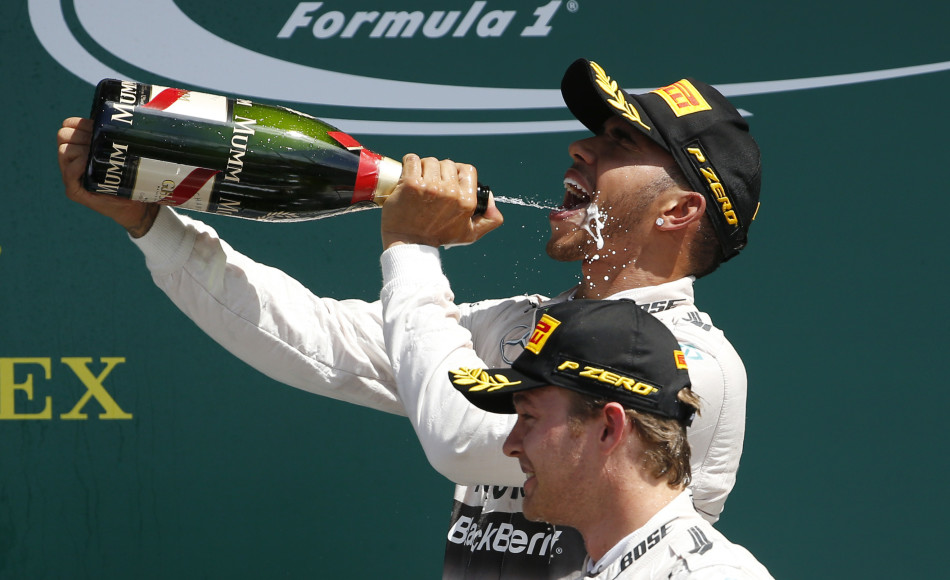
(554, 497)
(535, 510)
(570, 245)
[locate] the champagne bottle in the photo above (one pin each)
(232, 157)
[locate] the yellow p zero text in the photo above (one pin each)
(715, 186)
(609, 377)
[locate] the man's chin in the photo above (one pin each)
(567, 246)
(539, 514)
(529, 511)
(564, 252)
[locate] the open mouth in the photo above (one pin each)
(576, 200)
(574, 194)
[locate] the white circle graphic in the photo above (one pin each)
(122, 27)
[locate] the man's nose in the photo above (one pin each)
(512, 445)
(583, 150)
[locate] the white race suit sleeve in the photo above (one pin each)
(269, 320)
(425, 341)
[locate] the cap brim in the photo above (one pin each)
(492, 389)
(593, 97)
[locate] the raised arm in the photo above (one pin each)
(260, 314)
(433, 206)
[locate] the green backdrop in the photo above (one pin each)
(132, 446)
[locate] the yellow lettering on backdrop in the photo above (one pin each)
(9, 387)
(94, 388)
(79, 366)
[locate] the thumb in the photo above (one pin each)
(489, 220)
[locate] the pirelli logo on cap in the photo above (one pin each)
(542, 331)
(680, 359)
(683, 98)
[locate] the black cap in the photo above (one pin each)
(611, 349)
(699, 127)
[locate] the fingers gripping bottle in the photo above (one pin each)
(232, 157)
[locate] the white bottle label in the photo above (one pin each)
(173, 184)
(188, 103)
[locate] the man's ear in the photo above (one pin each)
(683, 210)
(615, 427)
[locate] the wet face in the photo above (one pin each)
(610, 191)
(555, 459)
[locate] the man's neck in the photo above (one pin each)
(602, 279)
(625, 517)
(609, 272)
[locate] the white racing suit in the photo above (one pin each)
(677, 544)
(338, 349)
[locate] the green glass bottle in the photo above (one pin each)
(232, 157)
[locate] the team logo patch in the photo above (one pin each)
(616, 98)
(542, 331)
(683, 98)
(479, 380)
